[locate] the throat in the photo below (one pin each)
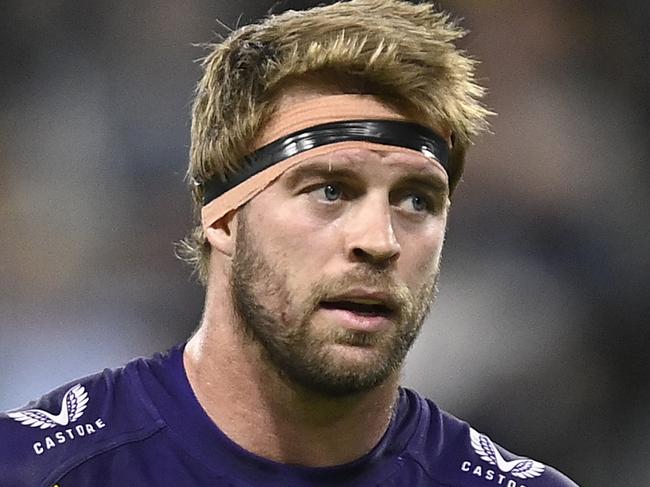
(326, 433)
(257, 410)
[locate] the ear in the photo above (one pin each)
(222, 234)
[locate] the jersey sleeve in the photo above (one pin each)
(454, 453)
(50, 436)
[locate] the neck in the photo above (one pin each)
(268, 416)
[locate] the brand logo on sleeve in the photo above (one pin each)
(521, 468)
(73, 405)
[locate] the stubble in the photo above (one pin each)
(275, 319)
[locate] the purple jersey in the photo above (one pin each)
(141, 425)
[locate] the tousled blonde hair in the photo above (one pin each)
(399, 51)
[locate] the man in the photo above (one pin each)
(325, 147)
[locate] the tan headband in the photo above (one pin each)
(316, 111)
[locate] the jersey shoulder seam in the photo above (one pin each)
(426, 471)
(124, 439)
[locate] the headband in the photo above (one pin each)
(316, 127)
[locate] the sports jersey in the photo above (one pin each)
(141, 425)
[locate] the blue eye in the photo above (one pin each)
(419, 202)
(332, 192)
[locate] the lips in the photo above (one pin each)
(363, 303)
(365, 309)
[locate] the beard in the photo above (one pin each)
(282, 325)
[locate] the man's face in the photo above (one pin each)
(336, 265)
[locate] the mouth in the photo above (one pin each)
(359, 307)
(361, 313)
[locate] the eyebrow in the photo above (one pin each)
(324, 169)
(318, 169)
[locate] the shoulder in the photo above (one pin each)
(453, 452)
(73, 423)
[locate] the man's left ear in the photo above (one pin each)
(222, 234)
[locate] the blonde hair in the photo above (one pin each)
(401, 52)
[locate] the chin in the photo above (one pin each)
(354, 368)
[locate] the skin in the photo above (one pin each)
(294, 383)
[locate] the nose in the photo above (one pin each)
(371, 237)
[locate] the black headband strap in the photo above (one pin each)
(387, 132)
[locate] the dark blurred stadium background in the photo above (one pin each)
(540, 334)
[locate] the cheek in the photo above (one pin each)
(421, 253)
(296, 245)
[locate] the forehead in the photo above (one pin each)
(400, 163)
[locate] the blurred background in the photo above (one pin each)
(540, 334)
